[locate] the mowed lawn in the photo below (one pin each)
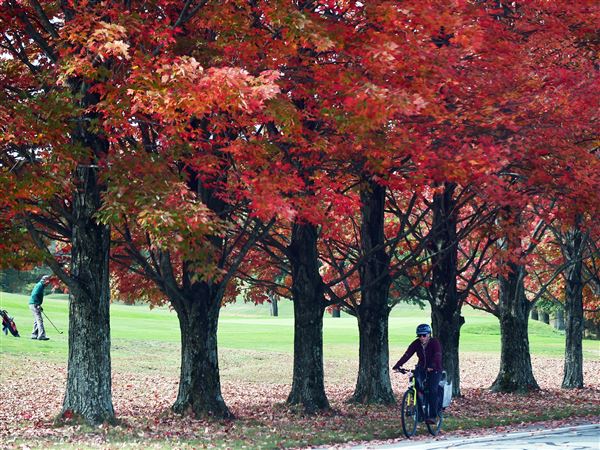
(256, 362)
(252, 344)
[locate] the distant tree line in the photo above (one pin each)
(20, 282)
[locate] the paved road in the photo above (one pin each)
(582, 437)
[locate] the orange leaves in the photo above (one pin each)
(107, 40)
(175, 91)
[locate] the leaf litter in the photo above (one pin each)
(33, 390)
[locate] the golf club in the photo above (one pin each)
(59, 332)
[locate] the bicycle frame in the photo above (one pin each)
(414, 408)
(412, 386)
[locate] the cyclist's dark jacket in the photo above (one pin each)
(430, 358)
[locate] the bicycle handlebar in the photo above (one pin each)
(403, 370)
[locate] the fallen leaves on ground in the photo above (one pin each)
(32, 394)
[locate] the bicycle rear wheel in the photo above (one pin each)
(409, 413)
(435, 428)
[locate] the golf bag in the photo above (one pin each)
(8, 324)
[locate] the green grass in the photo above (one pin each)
(253, 346)
(136, 329)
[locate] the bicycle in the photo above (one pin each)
(415, 408)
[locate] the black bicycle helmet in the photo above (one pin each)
(423, 329)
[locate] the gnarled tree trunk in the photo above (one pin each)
(573, 368)
(88, 391)
(199, 380)
(308, 388)
(373, 383)
(516, 373)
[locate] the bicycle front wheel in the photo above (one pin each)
(409, 413)
(435, 428)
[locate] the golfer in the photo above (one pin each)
(35, 305)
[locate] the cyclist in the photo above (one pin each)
(429, 367)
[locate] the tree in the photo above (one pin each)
(453, 271)
(308, 387)
(183, 224)
(550, 42)
(390, 112)
(191, 264)
(373, 383)
(573, 254)
(506, 299)
(136, 104)
(574, 243)
(382, 118)
(49, 143)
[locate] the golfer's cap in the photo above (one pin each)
(45, 278)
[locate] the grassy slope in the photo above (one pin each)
(137, 330)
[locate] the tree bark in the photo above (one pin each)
(373, 383)
(199, 380)
(445, 302)
(88, 391)
(446, 327)
(516, 373)
(308, 388)
(573, 368)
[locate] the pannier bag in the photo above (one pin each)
(445, 393)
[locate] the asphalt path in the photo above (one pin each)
(581, 437)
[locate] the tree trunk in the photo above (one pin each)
(573, 369)
(274, 297)
(535, 314)
(336, 313)
(446, 327)
(545, 317)
(591, 330)
(199, 380)
(274, 307)
(373, 383)
(88, 391)
(516, 373)
(308, 388)
(559, 321)
(445, 302)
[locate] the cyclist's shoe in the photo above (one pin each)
(430, 421)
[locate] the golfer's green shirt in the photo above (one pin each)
(37, 295)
